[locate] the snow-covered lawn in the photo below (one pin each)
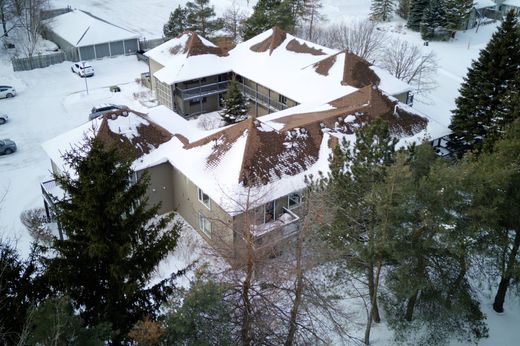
(51, 101)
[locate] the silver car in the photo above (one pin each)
(100, 110)
(7, 146)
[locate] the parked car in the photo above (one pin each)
(100, 110)
(7, 91)
(83, 69)
(3, 118)
(7, 146)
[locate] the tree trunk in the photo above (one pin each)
(298, 291)
(410, 305)
(498, 304)
(2, 17)
(373, 305)
(371, 293)
(246, 286)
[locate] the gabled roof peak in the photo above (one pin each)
(193, 45)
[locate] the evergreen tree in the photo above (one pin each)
(113, 240)
(457, 12)
(234, 104)
(403, 8)
(356, 229)
(203, 318)
(267, 14)
(430, 299)
(434, 17)
(381, 10)
(481, 105)
(53, 322)
(417, 8)
(200, 17)
(21, 287)
(496, 181)
(177, 23)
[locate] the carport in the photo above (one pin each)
(93, 37)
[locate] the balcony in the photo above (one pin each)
(52, 194)
(262, 99)
(272, 232)
(202, 90)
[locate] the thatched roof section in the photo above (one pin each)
(271, 43)
(150, 135)
(297, 47)
(194, 46)
(357, 72)
(323, 66)
(360, 107)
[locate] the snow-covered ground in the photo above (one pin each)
(51, 101)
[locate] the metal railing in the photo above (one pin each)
(202, 90)
(262, 99)
(276, 230)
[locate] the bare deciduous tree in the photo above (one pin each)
(31, 23)
(406, 61)
(232, 20)
(361, 38)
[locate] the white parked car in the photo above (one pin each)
(7, 91)
(83, 69)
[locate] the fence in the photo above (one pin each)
(40, 61)
(145, 44)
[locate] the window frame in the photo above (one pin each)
(300, 199)
(204, 224)
(200, 197)
(282, 99)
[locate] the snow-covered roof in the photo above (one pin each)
(274, 59)
(514, 3)
(131, 131)
(80, 29)
(478, 4)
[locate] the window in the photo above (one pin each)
(204, 199)
(269, 208)
(197, 101)
(294, 200)
(282, 99)
(204, 224)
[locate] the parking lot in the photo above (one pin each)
(49, 102)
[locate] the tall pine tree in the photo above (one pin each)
(381, 10)
(417, 8)
(457, 12)
(177, 23)
(434, 17)
(234, 105)
(356, 228)
(403, 8)
(113, 241)
(200, 17)
(269, 13)
(481, 104)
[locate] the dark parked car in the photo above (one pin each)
(100, 110)
(3, 118)
(7, 146)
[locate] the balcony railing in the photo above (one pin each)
(262, 99)
(202, 90)
(272, 232)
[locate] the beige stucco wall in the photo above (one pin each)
(160, 188)
(187, 204)
(153, 66)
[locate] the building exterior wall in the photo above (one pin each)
(153, 66)
(187, 204)
(160, 189)
(164, 93)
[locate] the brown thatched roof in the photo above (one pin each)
(149, 137)
(357, 72)
(297, 47)
(271, 43)
(195, 46)
(357, 108)
(323, 66)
